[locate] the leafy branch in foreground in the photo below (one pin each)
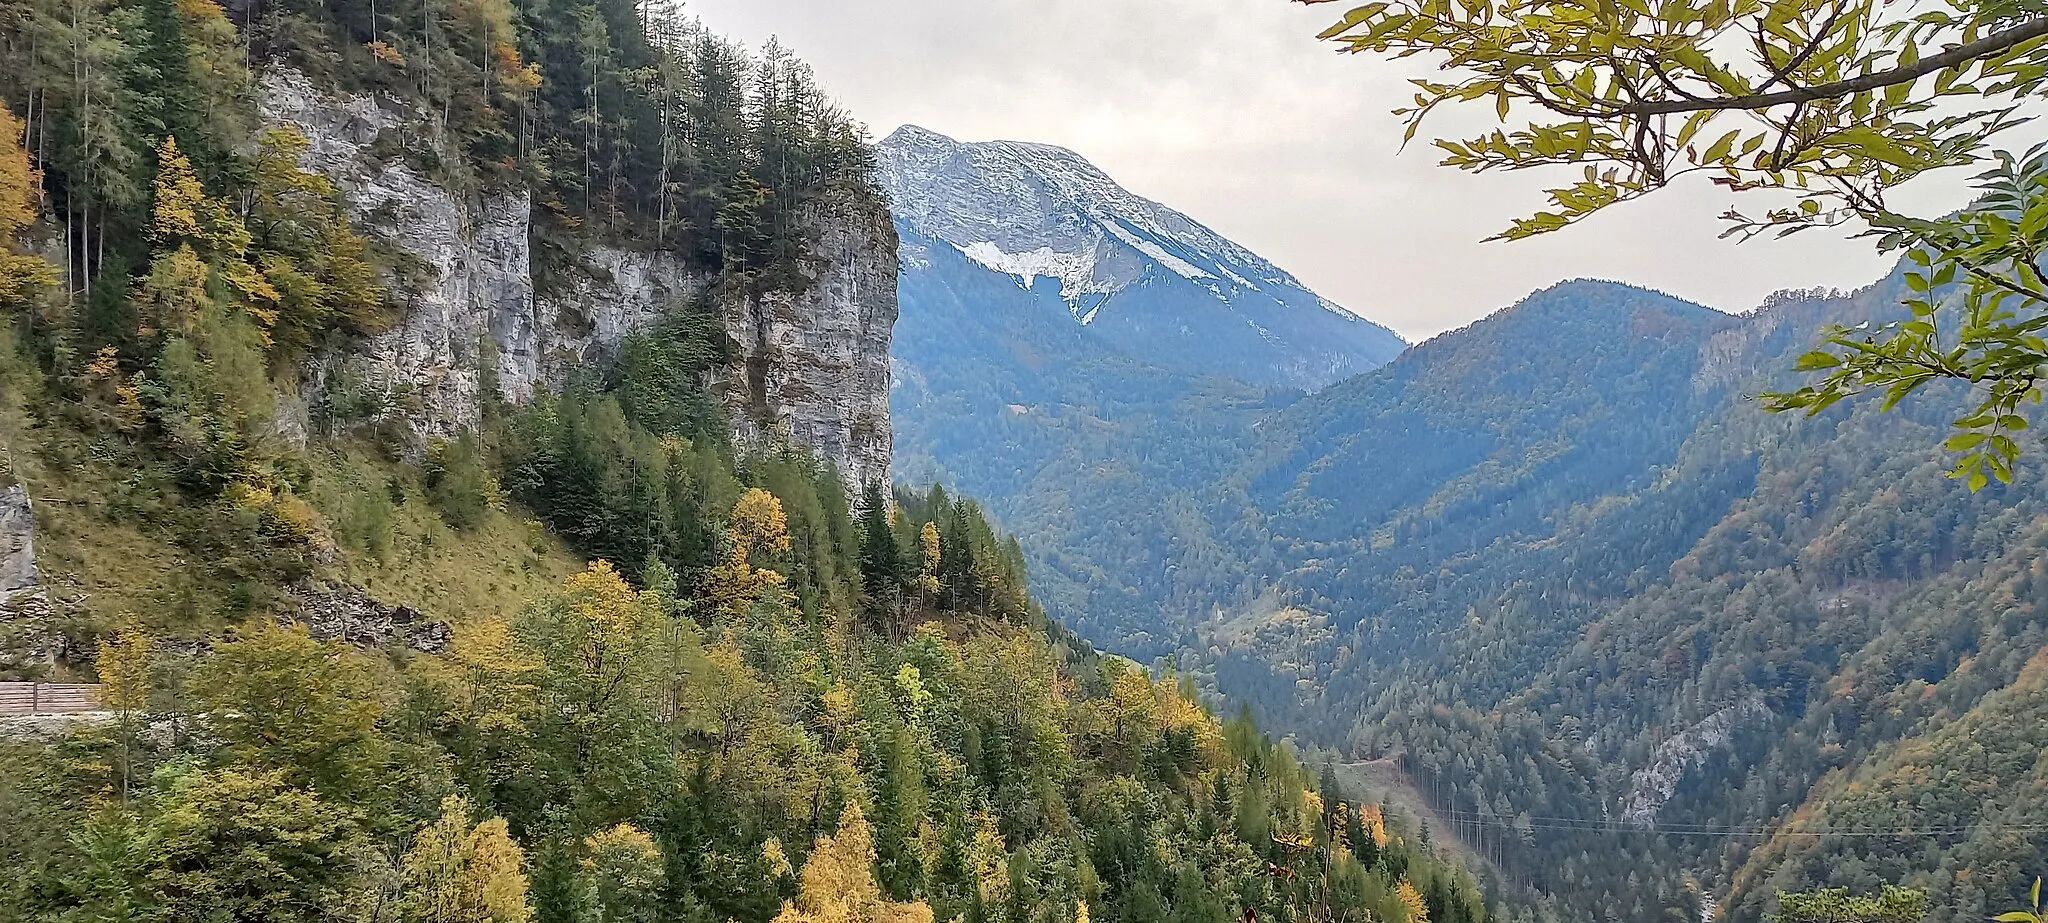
(1979, 273)
(1829, 104)
(2029, 915)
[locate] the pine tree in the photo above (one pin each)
(880, 560)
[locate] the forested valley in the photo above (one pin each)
(1632, 642)
(587, 656)
(451, 442)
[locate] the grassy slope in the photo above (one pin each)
(107, 536)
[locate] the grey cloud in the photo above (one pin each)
(1230, 111)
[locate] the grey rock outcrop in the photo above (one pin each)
(344, 613)
(810, 367)
(18, 574)
(1654, 784)
(28, 642)
(813, 366)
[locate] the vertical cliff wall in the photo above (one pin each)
(810, 366)
(813, 365)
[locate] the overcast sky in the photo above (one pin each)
(1232, 112)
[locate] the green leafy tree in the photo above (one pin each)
(622, 872)
(306, 709)
(1831, 102)
(115, 847)
(250, 847)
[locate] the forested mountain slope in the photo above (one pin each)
(1645, 644)
(1642, 603)
(1001, 393)
(451, 437)
(1084, 359)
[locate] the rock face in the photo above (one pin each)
(28, 644)
(18, 574)
(1654, 784)
(811, 367)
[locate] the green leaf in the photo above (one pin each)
(1718, 151)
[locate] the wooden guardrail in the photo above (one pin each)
(49, 698)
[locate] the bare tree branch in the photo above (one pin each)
(1992, 44)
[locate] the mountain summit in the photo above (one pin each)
(1145, 279)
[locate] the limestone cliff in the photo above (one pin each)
(18, 574)
(809, 366)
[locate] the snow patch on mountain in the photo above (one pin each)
(1076, 271)
(1180, 267)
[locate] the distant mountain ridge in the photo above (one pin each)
(1145, 279)
(1646, 646)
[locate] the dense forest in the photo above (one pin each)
(669, 678)
(1637, 643)
(808, 729)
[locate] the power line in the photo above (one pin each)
(1611, 826)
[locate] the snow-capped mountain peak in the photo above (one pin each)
(1036, 210)
(1041, 214)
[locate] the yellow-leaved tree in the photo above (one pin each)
(308, 253)
(457, 872)
(1418, 909)
(197, 239)
(758, 530)
(622, 874)
(595, 640)
(839, 881)
(124, 660)
(20, 193)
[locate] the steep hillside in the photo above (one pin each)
(1002, 394)
(1647, 647)
(438, 449)
(1642, 604)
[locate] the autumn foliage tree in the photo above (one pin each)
(463, 872)
(758, 532)
(21, 187)
(838, 884)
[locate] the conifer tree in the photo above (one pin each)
(880, 560)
